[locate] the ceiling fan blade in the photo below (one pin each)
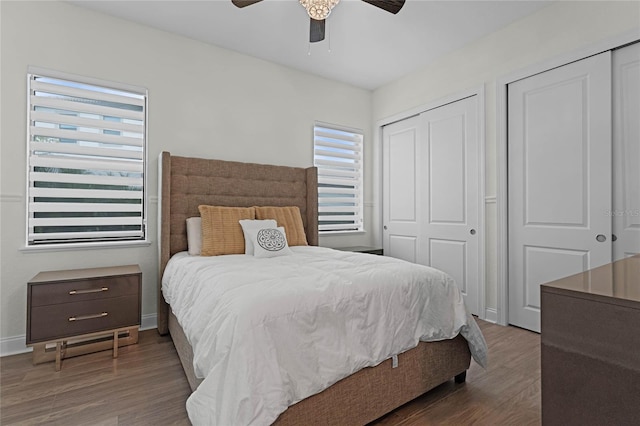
(316, 30)
(244, 3)
(392, 6)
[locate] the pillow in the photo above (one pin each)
(221, 231)
(194, 235)
(269, 242)
(254, 224)
(289, 218)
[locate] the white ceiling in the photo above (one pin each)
(365, 46)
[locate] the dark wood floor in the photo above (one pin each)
(506, 393)
(146, 385)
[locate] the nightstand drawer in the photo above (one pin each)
(83, 290)
(68, 319)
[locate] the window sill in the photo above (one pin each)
(84, 246)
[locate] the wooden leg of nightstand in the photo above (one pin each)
(40, 354)
(115, 344)
(58, 356)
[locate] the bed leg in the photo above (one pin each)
(461, 378)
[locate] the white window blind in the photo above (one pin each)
(86, 162)
(338, 157)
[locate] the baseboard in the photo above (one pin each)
(13, 345)
(16, 345)
(149, 321)
(491, 315)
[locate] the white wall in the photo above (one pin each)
(559, 29)
(203, 101)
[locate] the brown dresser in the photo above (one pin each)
(590, 343)
(79, 311)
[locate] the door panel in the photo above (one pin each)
(563, 135)
(402, 247)
(447, 169)
(559, 161)
(544, 264)
(450, 229)
(625, 212)
(402, 177)
(401, 189)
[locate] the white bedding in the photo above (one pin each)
(267, 333)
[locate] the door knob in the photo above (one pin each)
(384, 227)
(601, 238)
(472, 232)
(614, 237)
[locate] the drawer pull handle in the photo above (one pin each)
(86, 317)
(94, 290)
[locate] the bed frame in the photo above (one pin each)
(370, 393)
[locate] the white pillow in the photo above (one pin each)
(194, 235)
(248, 224)
(269, 242)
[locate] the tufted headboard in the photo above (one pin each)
(185, 183)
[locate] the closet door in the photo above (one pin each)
(626, 151)
(559, 171)
(431, 194)
(401, 189)
(450, 202)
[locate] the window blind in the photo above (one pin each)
(86, 162)
(338, 157)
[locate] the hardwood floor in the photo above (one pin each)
(146, 385)
(506, 393)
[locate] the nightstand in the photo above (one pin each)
(363, 249)
(82, 311)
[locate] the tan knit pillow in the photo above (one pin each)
(288, 217)
(221, 230)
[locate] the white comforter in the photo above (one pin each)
(267, 333)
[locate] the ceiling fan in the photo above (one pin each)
(318, 11)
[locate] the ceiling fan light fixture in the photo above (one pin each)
(319, 9)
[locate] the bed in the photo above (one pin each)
(359, 398)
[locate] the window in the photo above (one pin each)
(338, 156)
(86, 161)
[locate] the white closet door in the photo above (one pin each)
(450, 202)
(401, 151)
(559, 155)
(626, 151)
(430, 192)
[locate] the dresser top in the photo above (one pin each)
(81, 274)
(620, 280)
